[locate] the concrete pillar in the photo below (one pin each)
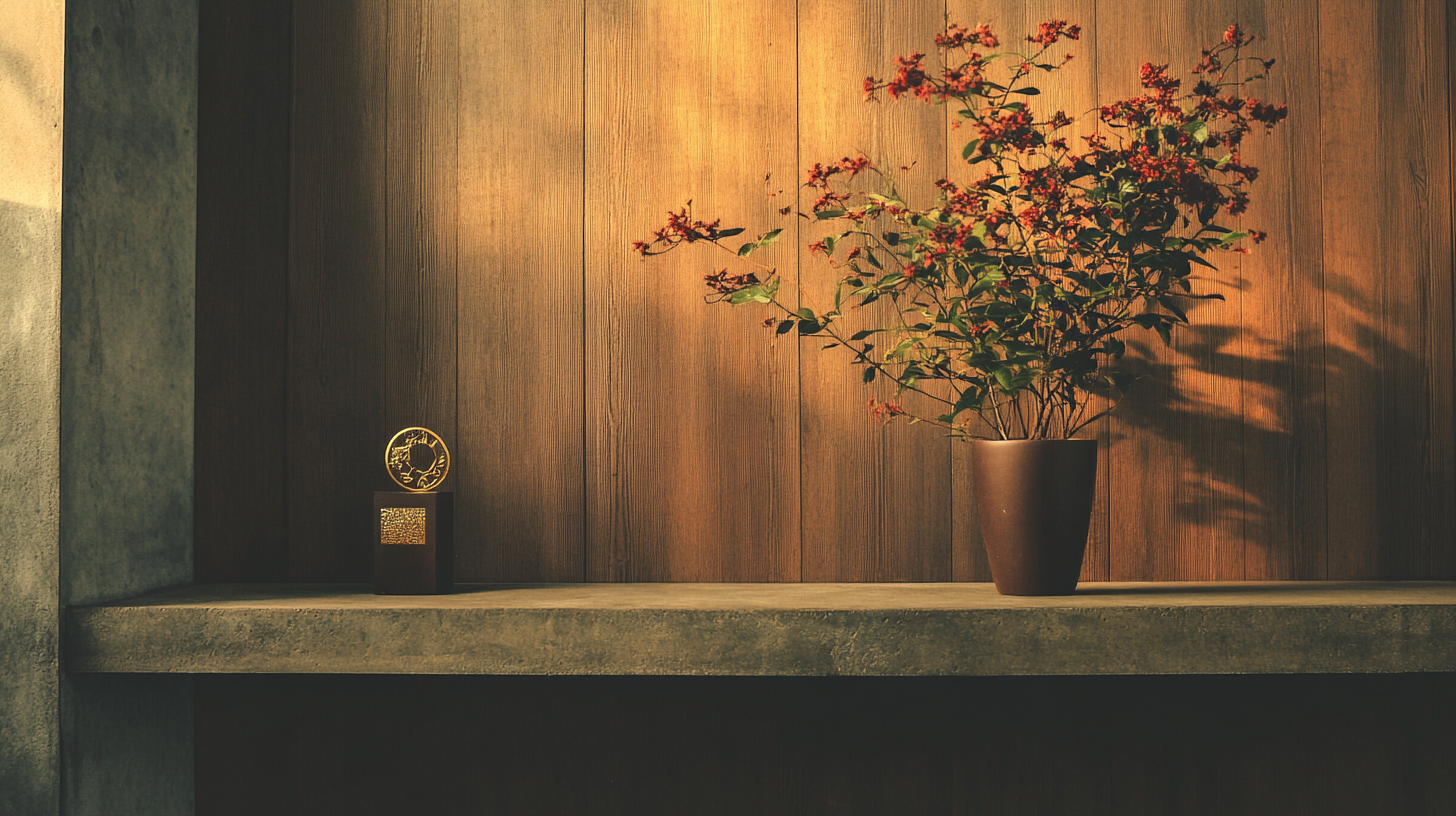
(98, 111)
(32, 47)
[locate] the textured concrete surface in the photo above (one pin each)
(128, 235)
(129, 242)
(32, 47)
(776, 629)
(128, 746)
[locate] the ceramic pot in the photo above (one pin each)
(1035, 502)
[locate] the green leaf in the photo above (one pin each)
(1003, 377)
(1229, 237)
(863, 333)
(729, 233)
(784, 327)
(770, 237)
(747, 248)
(1027, 91)
(809, 327)
(970, 148)
(869, 374)
(825, 215)
(1198, 130)
(805, 313)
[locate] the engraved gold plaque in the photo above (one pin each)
(402, 525)
(417, 459)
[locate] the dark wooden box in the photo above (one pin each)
(414, 543)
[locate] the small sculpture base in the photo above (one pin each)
(414, 543)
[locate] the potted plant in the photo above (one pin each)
(1008, 295)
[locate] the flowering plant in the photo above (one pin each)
(1010, 292)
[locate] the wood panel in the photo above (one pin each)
(420, 310)
(692, 413)
(1176, 460)
(520, 455)
(877, 501)
(1073, 90)
(244, 80)
(1388, 291)
(1281, 352)
(611, 426)
(336, 287)
(1070, 746)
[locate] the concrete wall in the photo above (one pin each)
(31, 57)
(128, 240)
(98, 111)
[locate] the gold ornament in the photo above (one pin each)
(403, 457)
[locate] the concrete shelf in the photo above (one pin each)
(773, 629)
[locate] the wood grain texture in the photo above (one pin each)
(244, 82)
(1176, 460)
(420, 307)
(1388, 293)
(1281, 346)
(612, 426)
(692, 431)
(520, 513)
(877, 501)
(336, 287)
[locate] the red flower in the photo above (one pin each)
(912, 77)
(1052, 30)
(1270, 115)
(885, 411)
(1235, 36)
(957, 36)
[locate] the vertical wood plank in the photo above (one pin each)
(1282, 295)
(420, 218)
(1388, 278)
(877, 501)
(336, 287)
(1176, 462)
(1073, 90)
(1437, 559)
(692, 416)
(244, 85)
(522, 409)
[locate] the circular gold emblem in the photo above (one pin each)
(417, 459)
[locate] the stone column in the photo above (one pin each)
(98, 111)
(32, 47)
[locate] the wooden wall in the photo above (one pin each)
(419, 213)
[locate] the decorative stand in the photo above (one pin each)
(414, 543)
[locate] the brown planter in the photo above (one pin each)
(1035, 503)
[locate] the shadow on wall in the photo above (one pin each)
(1259, 458)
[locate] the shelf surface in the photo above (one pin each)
(773, 629)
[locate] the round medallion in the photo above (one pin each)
(417, 459)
